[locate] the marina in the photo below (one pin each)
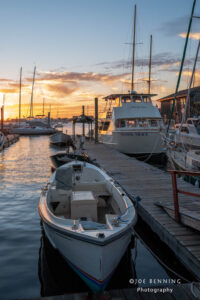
(99, 167)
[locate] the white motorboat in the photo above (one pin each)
(89, 219)
(32, 130)
(188, 133)
(60, 139)
(133, 125)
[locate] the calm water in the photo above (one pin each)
(29, 266)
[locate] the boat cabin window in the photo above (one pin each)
(120, 123)
(126, 100)
(153, 123)
(184, 130)
(125, 123)
(131, 123)
(147, 99)
(105, 125)
(137, 100)
(143, 123)
(189, 122)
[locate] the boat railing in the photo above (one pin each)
(176, 190)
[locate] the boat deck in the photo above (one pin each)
(151, 185)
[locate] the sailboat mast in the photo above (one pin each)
(150, 55)
(181, 67)
(20, 94)
(31, 107)
(191, 80)
(133, 55)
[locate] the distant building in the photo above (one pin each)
(193, 107)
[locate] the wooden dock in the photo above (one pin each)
(10, 139)
(151, 185)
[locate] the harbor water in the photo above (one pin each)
(29, 266)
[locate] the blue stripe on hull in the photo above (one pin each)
(94, 285)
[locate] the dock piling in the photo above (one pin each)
(96, 121)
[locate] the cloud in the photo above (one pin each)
(72, 77)
(9, 90)
(60, 89)
(158, 60)
(192, 35)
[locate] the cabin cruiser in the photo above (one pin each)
(188, 133)
(132, 125)
(85, 216)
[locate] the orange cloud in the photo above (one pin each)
(192, 35)
(60, 89)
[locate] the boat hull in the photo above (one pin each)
(32, 131)
(59, 139)
(179, 165)
(62, 158)
(94, 263)
(134, 142)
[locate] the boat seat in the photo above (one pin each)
(62, 209)
(83, 204)
(60, 195)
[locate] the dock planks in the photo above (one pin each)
(151, 185)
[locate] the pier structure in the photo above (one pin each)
(151, 184)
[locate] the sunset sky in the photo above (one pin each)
(82, 50)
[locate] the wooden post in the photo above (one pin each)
(83, 114)
(175, 194)
(20, 93)
(96, 121)
(73, 130)
(49, 118)
(2, 117)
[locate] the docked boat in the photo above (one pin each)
(133, 125)
(32, 130)
(63, 157)
(188, 133)
(185, 160)
(85, 216)
(61, 139)
(2, 140)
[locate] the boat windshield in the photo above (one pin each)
(136, 99)
(120, 123)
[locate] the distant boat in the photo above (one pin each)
(61, 139)
(63, 157)
(89, 219)
(33, 130)
(186, 160)
(133, 126)
(188, 133)
(183, 146)
(58, 125)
